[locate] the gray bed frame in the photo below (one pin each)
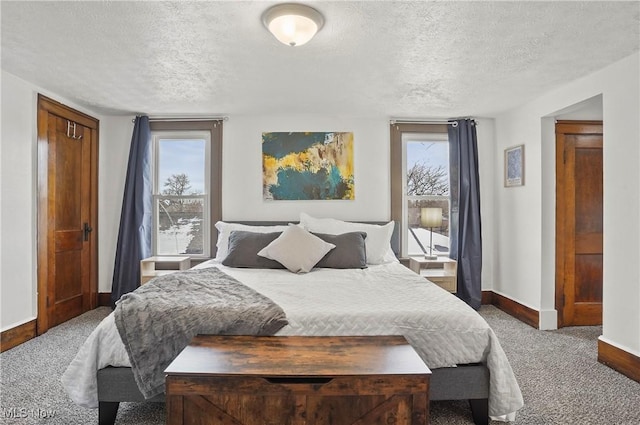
(464, 382)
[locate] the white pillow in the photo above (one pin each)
(377, 243)
(225, 229)
(296, 249)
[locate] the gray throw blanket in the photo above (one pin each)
(158, 319)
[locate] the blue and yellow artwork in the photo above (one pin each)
(309, 165)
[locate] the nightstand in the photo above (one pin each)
(161, 265)
(442, 271)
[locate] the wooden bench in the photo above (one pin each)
(296, 380)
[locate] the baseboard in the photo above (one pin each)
(487, 297)
(23, 333)
(104, 299)
(622, 361)
(16, 336)
(521, 312)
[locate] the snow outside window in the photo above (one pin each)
(426, 184)
(181, 193)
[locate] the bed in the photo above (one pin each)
(386, 298)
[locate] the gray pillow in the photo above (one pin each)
(244, 247)
(350, 251)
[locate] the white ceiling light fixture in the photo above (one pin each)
(293, 24)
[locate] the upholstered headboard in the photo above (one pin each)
(395, 237)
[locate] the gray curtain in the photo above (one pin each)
(134, 236)
(465, 230)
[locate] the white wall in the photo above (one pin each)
(17, 186)
(18, 180)
(524, 214)
(242, 168)
(487, 171)
(115, 139)
(1, 212)
(518, 214)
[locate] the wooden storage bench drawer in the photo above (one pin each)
(298, 380)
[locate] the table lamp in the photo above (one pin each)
(430, 218)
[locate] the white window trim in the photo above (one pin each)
(407, 138)
(158, 135)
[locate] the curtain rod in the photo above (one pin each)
(223, 118)
(174, 119)
(419, 121)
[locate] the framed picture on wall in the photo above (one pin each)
(514, 166)
(307, 165)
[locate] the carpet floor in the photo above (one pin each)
(558, 373)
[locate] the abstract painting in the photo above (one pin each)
(307, 165)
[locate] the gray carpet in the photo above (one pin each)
(560, 378)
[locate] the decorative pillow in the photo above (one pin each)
(349, 253)
(225, 229)
(378, 240)
(297, 249)
(244, 247)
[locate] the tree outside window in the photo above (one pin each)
(180, 196)
(427, 183)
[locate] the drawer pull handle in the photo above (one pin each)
(303, 380)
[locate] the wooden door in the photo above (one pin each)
(67, 213)
(579, 222)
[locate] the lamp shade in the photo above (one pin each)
(292, 24)
(431, 217)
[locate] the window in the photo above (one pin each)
(426, 185)
(186, 187)
(419, 180)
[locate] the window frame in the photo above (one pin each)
(399, 135)
(211, 131)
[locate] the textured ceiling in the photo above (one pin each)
(397, 59)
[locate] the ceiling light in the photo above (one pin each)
(292, 24)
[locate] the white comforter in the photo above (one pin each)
(387, 299)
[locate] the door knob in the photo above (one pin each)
(87, 230)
